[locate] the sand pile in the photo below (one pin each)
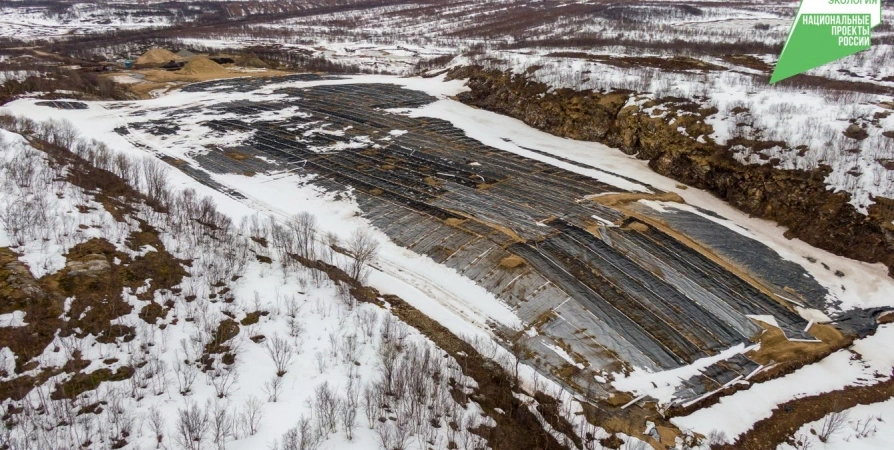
(251, 60)
(156, 56)
(511, 262)
(202, 66)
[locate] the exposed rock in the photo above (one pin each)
(17, 285)
(798, 200)
(90, 266)
(854, 131)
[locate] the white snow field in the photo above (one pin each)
(337, 352)
(815, 118)
(867, 362)
(41, 23)
(865, 427)
(391, 39)
(394, 38)
(456, 302)
(865, 285)
(335, 348)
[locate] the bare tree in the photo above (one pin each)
(320, 358)
(348, 416)
(347, 412)
(304, 227)
(252, 414)
(283, 241)
(192, 426)
(349, 348)
(327, 406)
(20, 219)
(717, 438)
(293, 308)
(831, 425)
(186, 373)
(388, 325)
(223, 378)
(388, 367)
(866, 428)
(280, 351)
(301, 437)
(157, 424)
(126, 169)
(364, 249)
(221, 425)
(155, 175)
(273, 388)
(520, 351)
(22, 168)
(393, 436)
(803, 442)
(371, 404)
(46, 131)
(121, 418)
(343, 293)
(368, 320)
(66, 134)
(385, 433)
(158, 373)
(296, 327)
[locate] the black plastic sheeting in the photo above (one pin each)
(62, 104)
(655, 300)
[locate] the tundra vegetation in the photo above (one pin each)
(145, 331)
(136, 309)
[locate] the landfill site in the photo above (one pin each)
(602, 281)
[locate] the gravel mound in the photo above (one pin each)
(156, 56)
(202, 66)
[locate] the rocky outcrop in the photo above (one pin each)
(798, 200)
(18, 287)
(89, 266)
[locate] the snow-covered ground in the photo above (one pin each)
(867, 362)
(393, 39)
(813, 118)
(798, 116)
(45, 239)
(864, 427)
(82, 18)
(441, 293)
(663, 385)
(864, 285)
(252, 406)
(284, 194)
(389, 41)
(303, 309)
(393, 59)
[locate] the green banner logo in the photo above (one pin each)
(825, 31)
